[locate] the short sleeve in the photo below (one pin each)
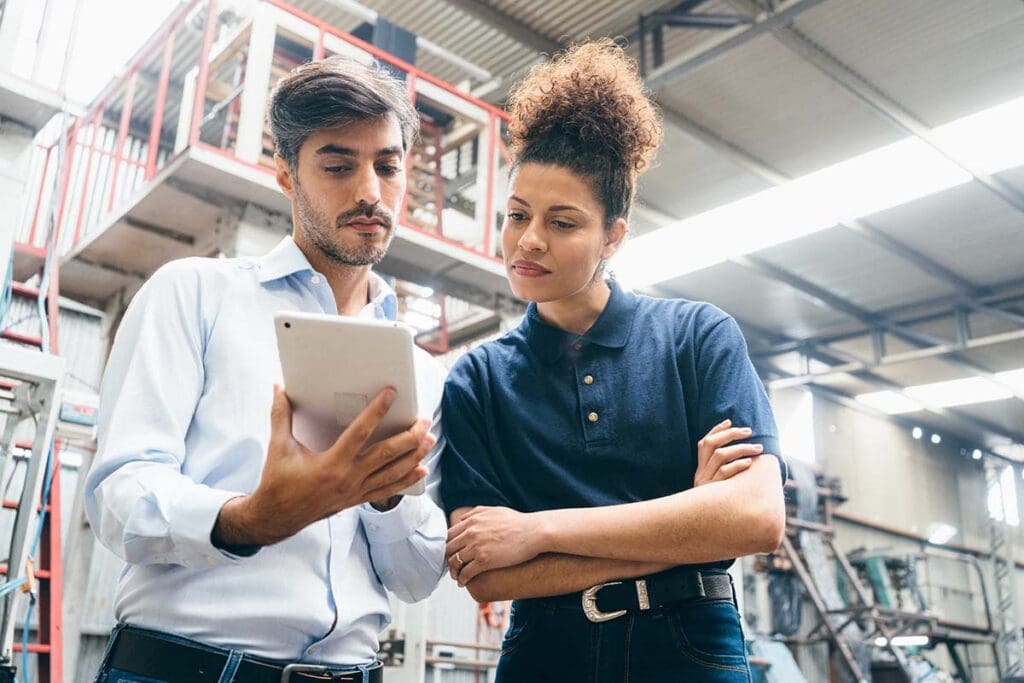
(731, 389)
(468, 473)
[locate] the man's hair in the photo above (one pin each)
(332, 92)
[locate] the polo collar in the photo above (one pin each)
(611, 329)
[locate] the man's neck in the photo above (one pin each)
(350, 284)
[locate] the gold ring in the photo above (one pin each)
(459, 560)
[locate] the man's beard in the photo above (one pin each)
(316, 226)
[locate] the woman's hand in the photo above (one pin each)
(716, 461)
(489, 538)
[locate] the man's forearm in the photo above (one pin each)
(717, 521)
(555, 574)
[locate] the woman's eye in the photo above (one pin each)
(516, 216)
(562, 225)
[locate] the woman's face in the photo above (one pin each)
(553, 238)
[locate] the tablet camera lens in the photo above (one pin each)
(288, 325)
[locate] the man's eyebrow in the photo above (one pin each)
(331, 148)
(337, 149)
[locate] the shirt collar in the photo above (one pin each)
(287, 259)
(611, 330)
(283, 260)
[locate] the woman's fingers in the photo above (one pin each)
(732, 469)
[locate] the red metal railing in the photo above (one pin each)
(122, 143)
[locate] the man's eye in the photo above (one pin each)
(388, 170)
(336, 169)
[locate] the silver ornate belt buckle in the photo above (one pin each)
(590, 605)
(597, 616)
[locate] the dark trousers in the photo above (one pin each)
(699, 642)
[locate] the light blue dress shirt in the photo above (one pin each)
(184, 425)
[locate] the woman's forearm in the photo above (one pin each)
(722, 520)
(554, 574)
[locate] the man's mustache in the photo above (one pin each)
(368, 211)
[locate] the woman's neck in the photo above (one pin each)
(578, 312)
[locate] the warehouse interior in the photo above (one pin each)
(843, 177)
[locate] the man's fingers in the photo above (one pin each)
(396, 469)
(389, 450)
(356, 434)
(732, 469)
(394, 489)
(280, 416)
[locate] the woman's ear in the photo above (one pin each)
(614, 238)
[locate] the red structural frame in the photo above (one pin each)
(163, 42)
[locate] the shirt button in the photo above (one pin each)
(313, 650)
(593, 417)
(373, 527)
(588, 379)
(315, 280)
(388, 572)
(210, 559)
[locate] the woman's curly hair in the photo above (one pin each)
(587, 110)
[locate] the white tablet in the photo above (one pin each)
(334, 366)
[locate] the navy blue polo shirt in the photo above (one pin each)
(543, 419)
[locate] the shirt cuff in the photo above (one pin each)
(192, 518)
(396, 524)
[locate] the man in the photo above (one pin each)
(246, 552)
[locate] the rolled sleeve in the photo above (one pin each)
(396, 524)
(731, 389)
(191, 528)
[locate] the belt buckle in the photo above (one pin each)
(315, 669)
(590, 604)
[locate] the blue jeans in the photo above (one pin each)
(694, 643)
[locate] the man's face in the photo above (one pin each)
(346, 190)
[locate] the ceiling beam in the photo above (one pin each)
(763, 22)
(918, 339)
(515, 29)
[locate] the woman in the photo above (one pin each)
(572, 457)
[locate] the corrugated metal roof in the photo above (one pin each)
(965, 229)
(940, 59)
(770, 103)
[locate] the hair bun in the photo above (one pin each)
(592, 92)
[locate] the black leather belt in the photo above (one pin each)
(612, 600)
(151, 654)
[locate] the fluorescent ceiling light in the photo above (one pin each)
(895, 174)
(890, 402)
(959, 392)
(956, 392)
(940, 533)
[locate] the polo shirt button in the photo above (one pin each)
(588, 379)
(577, 346)
(593, 417)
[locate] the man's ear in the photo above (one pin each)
(285, 177)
